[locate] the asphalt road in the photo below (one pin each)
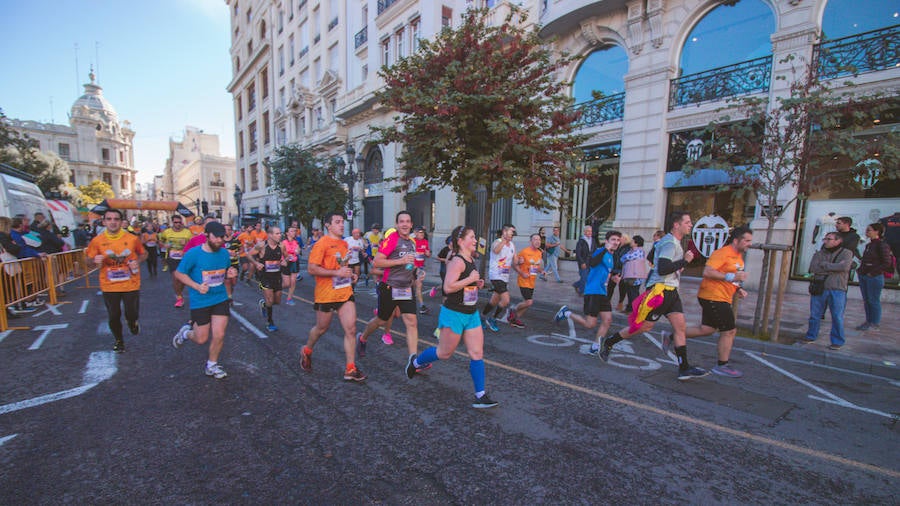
(79, 424)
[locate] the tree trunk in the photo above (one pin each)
(759, 326)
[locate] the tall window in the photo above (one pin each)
(241, 144)
(107, 178)
(304, 78)
(281, 97)
(304, 34)
(240, 108)
(251, 97)
(316, 24)
(280, 21)
(318, 69)
(728, 34)
(386, 51)
(264, 80)
(602, 71)
(415, 34)
(104, 154)
(446, 17)
(401, 47)
(63, 151)
(334, 58)
(291, 49)
(266, 132)
(254, 177)
(281, 60)
(243, 177)
(251, 130)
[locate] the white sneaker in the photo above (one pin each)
(216, 371)
(181, 336)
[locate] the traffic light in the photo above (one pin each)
(204, 206)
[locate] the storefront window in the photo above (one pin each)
(595, 198)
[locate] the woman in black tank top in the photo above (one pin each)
(459, 318)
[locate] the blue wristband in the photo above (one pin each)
(729, 277)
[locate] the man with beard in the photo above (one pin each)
(204, 271)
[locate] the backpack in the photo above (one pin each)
(893, 261)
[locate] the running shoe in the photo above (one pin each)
(299, 277)
(561, 314)
(433, 292)
(360, 346)
(216, 371)
(484, 402)
(517, 323)
(492, 324)
(181, 336)
(261, 303)
(423, 309)
(305, 360)
(134, 327)
(423, 368)
(727, 371)
(410, 368)
(604, 350)
(271, 327)
(692, 372)
(119, 346)
(588, 349)
(834, 347)
(354, 375)
(179, 302)
(290, 302)
(387, 339)
(666, 338)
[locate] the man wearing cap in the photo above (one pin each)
(204, 271)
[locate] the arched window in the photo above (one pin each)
(374, 173)
(843, 18)
(728, 34)
(602, 71)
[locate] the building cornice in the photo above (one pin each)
(262, 50)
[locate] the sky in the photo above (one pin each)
(163, 65)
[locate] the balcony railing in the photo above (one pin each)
(217, 202)
(597, 112)
(361, 37)
(856, 54)
(384, 4)
(743, 78)
(220, 184)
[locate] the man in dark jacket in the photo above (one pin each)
(583, 250)
(831, 263)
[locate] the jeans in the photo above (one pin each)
(870, 288)
(553, 265)
(836, 302)
(582, 280)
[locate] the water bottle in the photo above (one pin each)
(739, 284)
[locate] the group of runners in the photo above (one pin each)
(211, 262)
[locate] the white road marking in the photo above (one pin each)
(249, 326)
(4, 334)
(50, 308)
(829, 397)
(4, 439)
(84, 305)
(103, 328)
(47, 329)
(100, 367)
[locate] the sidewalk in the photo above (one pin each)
(873, 351)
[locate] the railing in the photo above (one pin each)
(599, 111)
(217, 202)
(361, 37)
(384, 4)
(743, 78)
(23, 280)
(217, 183)
(856, 54)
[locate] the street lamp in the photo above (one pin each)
(238, 196)
(350, 176)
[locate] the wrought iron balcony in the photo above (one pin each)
(743, 78)
(856, 54)
(384, 4)
(217, 183)
(599, 111)
(361, 37)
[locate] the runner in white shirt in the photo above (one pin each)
(357, 245)
(503, 255)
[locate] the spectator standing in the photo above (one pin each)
(634, 271)
(892, 237)
(876, 260)
(583, 250)
(849, 240)
(831, 264)
(554, 246)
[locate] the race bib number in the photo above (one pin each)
(213, 278)
(420, 257)
(117, 275)
(273, 266)
(176, 254)
(338, 282)
(533, 271)
(292, 258)
(398, 293)
(504, 270)
(151, 244)
(470, 295)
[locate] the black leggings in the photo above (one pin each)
(152, 255)
(114, 302)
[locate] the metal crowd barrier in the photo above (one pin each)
(23, 280)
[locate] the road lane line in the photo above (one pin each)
(101, 366)
(249, 326)
(4, 334)
(84, 305)
(47, 329)
(4, 439)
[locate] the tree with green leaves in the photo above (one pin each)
(481, 108)
(95, 193)
(307, 185)
(810, 139)
(21, 151)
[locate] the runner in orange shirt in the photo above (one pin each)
(529, 265)
(255, 237)
(119, 255)
(333, 294)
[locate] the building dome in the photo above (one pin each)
(92, 105)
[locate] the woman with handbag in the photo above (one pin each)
(876, 260)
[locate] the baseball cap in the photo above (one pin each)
(376, 226)
(215, 228)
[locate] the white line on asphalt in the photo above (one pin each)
(4, 334)
(50, 308)
(831, 398)
(47, 329)
(4, 439)
(249, 326)
(103, 328)
(84, 305)
(101, 366)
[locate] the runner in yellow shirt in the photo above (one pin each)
(175, 237)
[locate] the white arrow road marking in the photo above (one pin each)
(259, 333)
(4, 334)
(4, 439)
(100, 367)
(84, 305)
(829, 397)
(47, 329)
(50, 308)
